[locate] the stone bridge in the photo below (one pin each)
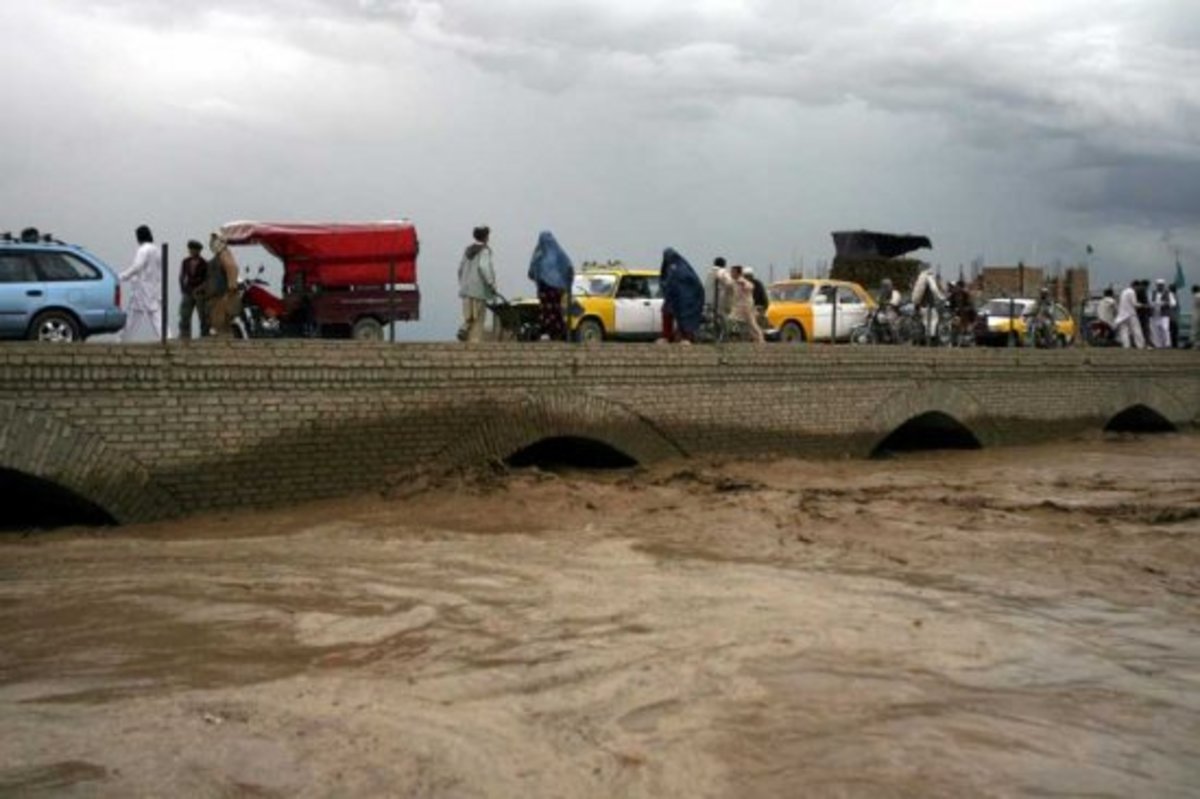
(134, 433)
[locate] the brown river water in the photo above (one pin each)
(1013, 622)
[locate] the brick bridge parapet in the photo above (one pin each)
(148, 431)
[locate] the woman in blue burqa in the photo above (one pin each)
(683, 298)
(551, 269)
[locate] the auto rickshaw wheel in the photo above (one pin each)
(367, 329)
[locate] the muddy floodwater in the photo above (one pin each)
(1014, 622)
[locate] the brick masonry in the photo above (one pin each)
(150, 431)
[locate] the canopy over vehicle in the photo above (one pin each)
(335, 255)
(871, 244)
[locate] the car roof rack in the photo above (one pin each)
(30, 235)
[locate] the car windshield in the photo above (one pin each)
(593, 285)
(1001, 307)
(791, 292)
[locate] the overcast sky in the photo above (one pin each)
(1011, 129)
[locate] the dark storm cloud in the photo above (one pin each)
(995, 122)
(1145, 190)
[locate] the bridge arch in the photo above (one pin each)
(1144, 405)
(937, 409)
(38, 450)
(546, 419)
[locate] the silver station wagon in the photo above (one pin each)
(51, 291)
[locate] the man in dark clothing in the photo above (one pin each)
(1142, 290)
(193, 274)
(761, 300)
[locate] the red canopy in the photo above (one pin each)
(335, 254)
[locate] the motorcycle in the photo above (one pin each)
(1098, 333)
(877, 329)
(1041, 332)
(911, 326)
(263, 315)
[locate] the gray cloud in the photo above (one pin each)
(753, 126)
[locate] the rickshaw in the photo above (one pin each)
(340, 280)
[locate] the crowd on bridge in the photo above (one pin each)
(1140, 315)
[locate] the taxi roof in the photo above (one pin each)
(795, 281)
(616, 270)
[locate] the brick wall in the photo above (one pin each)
(150, 431)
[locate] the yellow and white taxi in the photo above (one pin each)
(817, 309)
(1002, 319)
(616, 303)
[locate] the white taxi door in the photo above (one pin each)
(822, 311)
(852, 311)
(633, 306)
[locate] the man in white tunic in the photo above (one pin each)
(1129, 329)
(143, 290)
(1161, 303)
(927, 297)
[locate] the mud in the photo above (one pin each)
(1018, 622)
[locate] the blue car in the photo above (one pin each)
(50, 291)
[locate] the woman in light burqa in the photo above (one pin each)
(683, 297)
(551, 269)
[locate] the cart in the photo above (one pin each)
(340, 280)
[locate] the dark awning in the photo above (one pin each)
(868, 244)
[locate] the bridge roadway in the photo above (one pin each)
(149, 431)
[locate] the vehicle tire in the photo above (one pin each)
(861, 335)
(56, 326)
(910, 331)
(589, 331)
(792, 333)
(1061, 341)
(367, 329)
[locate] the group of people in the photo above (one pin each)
(207, 287)
(1144, 317)
(740, 297)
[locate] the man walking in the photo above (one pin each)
(143, 281)
(193, 274)
(476, 285)
(742, 310)
(1129, 327)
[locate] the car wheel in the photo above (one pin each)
(367, 329)
(1062, 341)
(54, 326)
(792, 333)
(590, 330)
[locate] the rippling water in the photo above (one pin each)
(1000, 623)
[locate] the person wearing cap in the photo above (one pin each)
(1161, 303)
(761, 299)
(193, 274)
(143, 281)
(222, 288)
(476, 285)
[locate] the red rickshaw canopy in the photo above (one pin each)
(335, 253)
